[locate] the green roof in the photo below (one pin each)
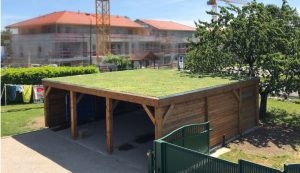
(146, 82)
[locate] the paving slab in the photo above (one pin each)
(49, 151)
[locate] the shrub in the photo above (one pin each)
(34, 75)
(122, 62)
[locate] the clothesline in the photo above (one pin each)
(28, 91)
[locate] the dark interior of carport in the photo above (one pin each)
(70, 106)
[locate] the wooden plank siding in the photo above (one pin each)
(55, 108)
(231, 109)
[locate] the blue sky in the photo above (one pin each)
(183, 11)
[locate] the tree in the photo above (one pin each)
(256, 40)
(122, 62)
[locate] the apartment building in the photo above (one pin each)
(68, 38)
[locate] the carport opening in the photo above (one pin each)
(132, 128)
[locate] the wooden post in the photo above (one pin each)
(158, 122)
(239, 110)
(73, 110)
(109, 124)
(206, 108)
(46, 107)
(257, 103)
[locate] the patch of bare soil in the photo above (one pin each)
(37, 123)
(269, 140)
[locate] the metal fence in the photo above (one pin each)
(194, 137)
(185, 151)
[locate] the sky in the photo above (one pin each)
(182, 11)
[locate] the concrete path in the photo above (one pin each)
(45, 151)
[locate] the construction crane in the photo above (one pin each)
(103, 36)
(214, 5)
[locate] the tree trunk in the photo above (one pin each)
(263, 105)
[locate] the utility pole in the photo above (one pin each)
(90, 41)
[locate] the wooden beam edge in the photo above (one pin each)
(149, 113)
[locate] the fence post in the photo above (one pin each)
(207, 137)
(150, 161)
(5, 97)
(240, 162)
(159, 152)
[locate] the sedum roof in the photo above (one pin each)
(145, 82)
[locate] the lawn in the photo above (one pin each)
(17, 119)
(147, 82)
(276, 143)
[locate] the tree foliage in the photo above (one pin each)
(122, 62)
(256, 40)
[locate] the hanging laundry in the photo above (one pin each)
(20, 88)
(38, 93)
(11, 92)
(27, 93)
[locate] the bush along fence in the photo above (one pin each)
(34, 75)
(186, 150)
(22, 85)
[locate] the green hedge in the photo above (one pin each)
(34, 75)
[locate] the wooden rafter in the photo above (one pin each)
(149, 113)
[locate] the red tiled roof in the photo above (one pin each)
(167, 25)
(74, 18)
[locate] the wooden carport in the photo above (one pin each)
(232, 109)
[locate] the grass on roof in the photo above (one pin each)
(146, 82)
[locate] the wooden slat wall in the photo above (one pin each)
(184, 113)
(223, 116)
(57, 111)
(221, 110)
(248, 109)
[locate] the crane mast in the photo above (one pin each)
(103, 36)
(214, 5)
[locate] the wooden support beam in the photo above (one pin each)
(168, 112)
(158, 122)
(47, 91)
(206, 108)
(237, 96)
(109, 124)
(46, 108)
(79, 98)
(149, 113)
(73, 110)
(257, 104)
(239, 110)
(116, 102)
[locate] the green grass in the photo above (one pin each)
(291, 106)
(276, 162)
(284, 113)
(15, 118)
(147, 82)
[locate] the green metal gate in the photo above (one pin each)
(170, 149)
(186, 150)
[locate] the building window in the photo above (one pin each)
(40, 49)
(68, 29)
(167, 60)
(21, 51)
